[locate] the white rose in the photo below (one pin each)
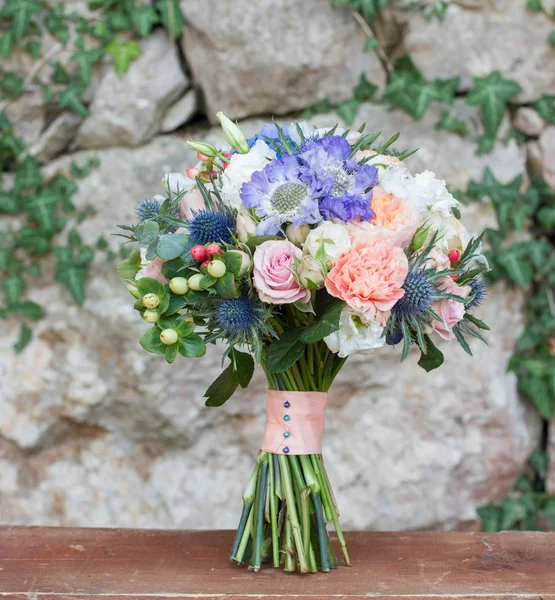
(356, 334)
(310, 270)
(333, 236)
(240, 169)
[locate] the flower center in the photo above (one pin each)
(342, 180)
(287, 197)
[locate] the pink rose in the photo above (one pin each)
(450, 311)
(153, 269)
(437, 259)
(273, 276)
(192, 200)
(369, 278)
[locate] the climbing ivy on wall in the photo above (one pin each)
(520, 207)
(39, 210)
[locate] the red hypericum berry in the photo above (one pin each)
(199, 253)
(202, 157)
(214, 173)
(213, 249)
(205, 263)
(454, 255)
(192, 172)
(454, 277)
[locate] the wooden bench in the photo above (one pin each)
(42, 563)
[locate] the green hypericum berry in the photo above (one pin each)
(194, 281)
(151, 316)
(216, 268)
(179, 286)
(151, 301)
(168, 337)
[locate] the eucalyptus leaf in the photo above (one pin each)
(171, 245)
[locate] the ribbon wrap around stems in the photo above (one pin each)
(294, 422)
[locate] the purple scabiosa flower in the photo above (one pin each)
(345, 186)
(270, 131)
(282, 192)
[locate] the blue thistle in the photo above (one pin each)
(237, 316)
(419, 295)
(148, 209)
(479, 291)
(209, 225)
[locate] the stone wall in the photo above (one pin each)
(94, 431)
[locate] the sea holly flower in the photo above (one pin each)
(282, 192)
(150, 208)
(345, 186)
(215, 224)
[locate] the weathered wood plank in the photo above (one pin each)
(112, 564)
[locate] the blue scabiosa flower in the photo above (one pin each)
(270, 132)
(282, 192)
(212, 225)
(148, 209)
(479, 291)
(345, 186)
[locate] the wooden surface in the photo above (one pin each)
(82, 564)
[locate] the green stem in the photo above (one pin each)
(273, 511)
(290, 499)
(297, 377)
(327, 483)
(242, 524)
(245, 539)
(259, 501)
(322, 541)
(326, 500)
(288, 545)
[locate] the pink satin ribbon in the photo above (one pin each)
(298, 415)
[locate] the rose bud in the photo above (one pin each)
(246, 262)
(310, 270)
(245, 226)
(297, 236)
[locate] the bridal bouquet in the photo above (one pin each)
(296, 248)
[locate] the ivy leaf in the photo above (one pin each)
(31, 310)
(72, 270)
(41, 208)
(492, 93)
(144, 18)
(20, 12)
(70, 98)
(11, 84)
(545, 106)
(283, 353)
(368, 8)
(171, 16)
(25, 336)
(348, 109)
(85, 60)
(123, 53)
(433, 357)
(56, 24)
(364, 90)
(13, 286)
(326, 325)
(6, 44)
(408, 89)
(222, 388)
(451, 123)
(244, 367)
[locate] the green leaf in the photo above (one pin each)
(171, 16)
(171, 245)
(451, 123)
(171, 352)
(74, 278)
(20, 12)
(536, 389)
(147, 232)
(31, 310)
(364, 90)
(545, 106)
(225, 286)
(151, 341)
(13, 286)
(128, 268)
(192, 346)
(70, 98)
(148, 285)
(144, 18)
(285, 352)
(233, 262)
(86, 59)
(347, 110)
(222, 388)
(123, 53)
(6, 44)
(492, 94)
(326, 324)
(25, 336)
(244, 367)
(433, 357)
(207, 282)
(11, 85)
